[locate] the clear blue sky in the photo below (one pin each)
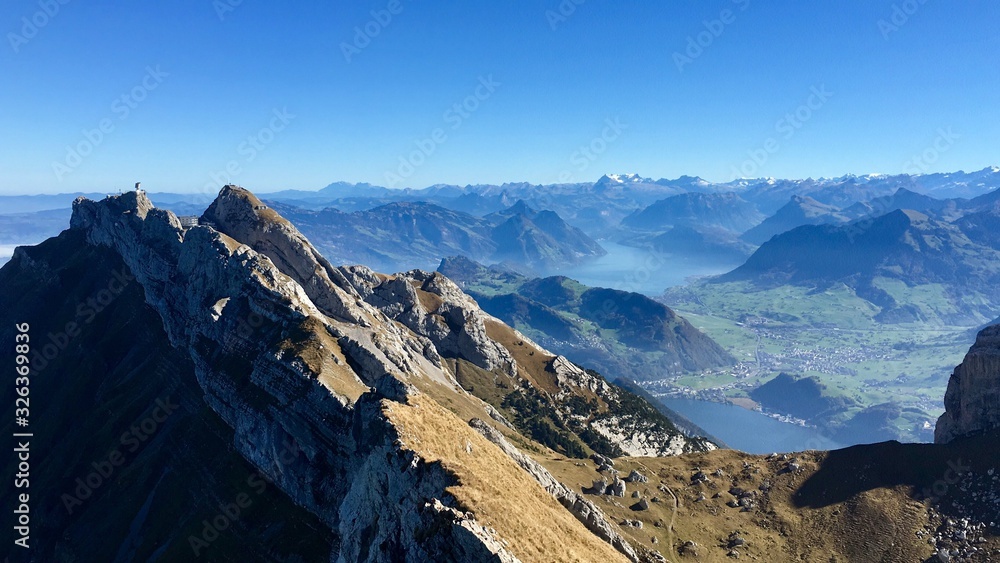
(555, 81)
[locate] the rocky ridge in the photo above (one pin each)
(333, 357)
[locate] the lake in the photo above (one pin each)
(750, 431)
(640, 270)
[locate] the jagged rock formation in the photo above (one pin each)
(353, 371)
(972, 402)
(451, 320)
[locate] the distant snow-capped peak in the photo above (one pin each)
(626, 178)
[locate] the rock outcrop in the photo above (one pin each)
(972, 402)
(432, 306)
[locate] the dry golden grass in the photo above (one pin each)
(880, 524)
(500, 493)
(744, 402)
(532, 363)
(323, 355)
(231, 243)
(431, 302)
(264, 213)
(460, 403)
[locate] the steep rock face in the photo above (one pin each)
(394, 491)
(287, 351)
(440, 312)
(205, 286)
(116, 369)
(630, 431)
(972, 402)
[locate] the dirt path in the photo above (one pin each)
(673, 512)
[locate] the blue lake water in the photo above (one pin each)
(750, 431)
(640, 270)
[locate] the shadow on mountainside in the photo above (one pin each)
(960, 479)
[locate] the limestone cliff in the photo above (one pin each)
(367, 378)
(972, 401)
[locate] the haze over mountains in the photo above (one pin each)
(414, 234)
(719, 212)
(306, 386)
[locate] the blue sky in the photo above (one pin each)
(194, 93)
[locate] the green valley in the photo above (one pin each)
(834, 335)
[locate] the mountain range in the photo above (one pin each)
(726, 210)
(420, 234)
(221, 391)
(904, 245)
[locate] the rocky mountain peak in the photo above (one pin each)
(972, 402)
(367, 374)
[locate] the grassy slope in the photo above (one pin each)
(489, 484)
(864, 503)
